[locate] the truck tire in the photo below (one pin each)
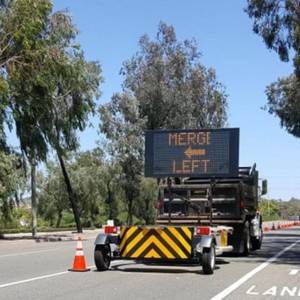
(256, 243)
(209, 260)
(102, 257)
(246, 239)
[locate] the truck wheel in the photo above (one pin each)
(102, 257)
(256, 243)
(209, 260)
(246, 239)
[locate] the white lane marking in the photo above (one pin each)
(42, 277)
(294, 272)
(246, 277)
(37, 278)
(24, 253)
(10, 242)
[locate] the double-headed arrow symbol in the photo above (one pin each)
(189, 152)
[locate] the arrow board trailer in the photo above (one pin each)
(167, 244)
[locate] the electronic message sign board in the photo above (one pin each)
(192, 153)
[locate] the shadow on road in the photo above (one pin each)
(274, 242)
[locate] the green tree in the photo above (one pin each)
(49, 88)
(278, 23)
(290, 209)
(111, 189)
(147, 201)
(53, 198)
(11, 180)
(86, 174)
(270, 210)
(165, 86)
(95, 183)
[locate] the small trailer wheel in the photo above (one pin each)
(209, 260)
(102, 257)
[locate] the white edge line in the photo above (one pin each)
(31, 252)
(37, 278)
(247, 276)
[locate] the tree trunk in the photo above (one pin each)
(59, 218)
(72, 195)
(33, 198)
(130, 214)
(109, 201)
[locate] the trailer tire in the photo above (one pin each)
(246, 239)
(209, 260)
(102, 257)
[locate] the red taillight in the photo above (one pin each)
(203, 230)
(242, 204)
(110, 229)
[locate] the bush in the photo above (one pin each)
(122, 219)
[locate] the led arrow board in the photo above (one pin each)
(192, 153)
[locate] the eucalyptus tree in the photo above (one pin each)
(93, 180)
(147, 202)
(278, 23)
(11, 180)
(51, 87)
(111, 191)
(165, 86)
(53, 197)
(86, 171)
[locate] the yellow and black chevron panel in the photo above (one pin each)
(156, 242)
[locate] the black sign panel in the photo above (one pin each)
(192, 153)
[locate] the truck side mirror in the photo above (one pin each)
(264, 189)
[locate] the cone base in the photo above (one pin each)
(79, 270)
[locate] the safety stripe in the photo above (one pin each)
(179, 237)
(131, 235)
(159, 243)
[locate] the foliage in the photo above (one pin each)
(284, 101)
(46, 86)
(278, 209)
(53, 198)
(278, 22)
(145, 207)
(290, 209)
(172, 88)
(270, 210)
(51, 86)
(86, 177)
(11, 179)
(95, 184)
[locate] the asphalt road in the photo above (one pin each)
(36, 271)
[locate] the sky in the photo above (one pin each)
(110, 31)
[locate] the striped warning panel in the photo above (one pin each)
(156, 243)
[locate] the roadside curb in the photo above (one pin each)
(54, 239)
(50, 236)
(39, 239)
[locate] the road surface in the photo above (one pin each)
(37, 271)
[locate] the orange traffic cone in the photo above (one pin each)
(79, 260)
(273, 227)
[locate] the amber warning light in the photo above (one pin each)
(192, 153)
